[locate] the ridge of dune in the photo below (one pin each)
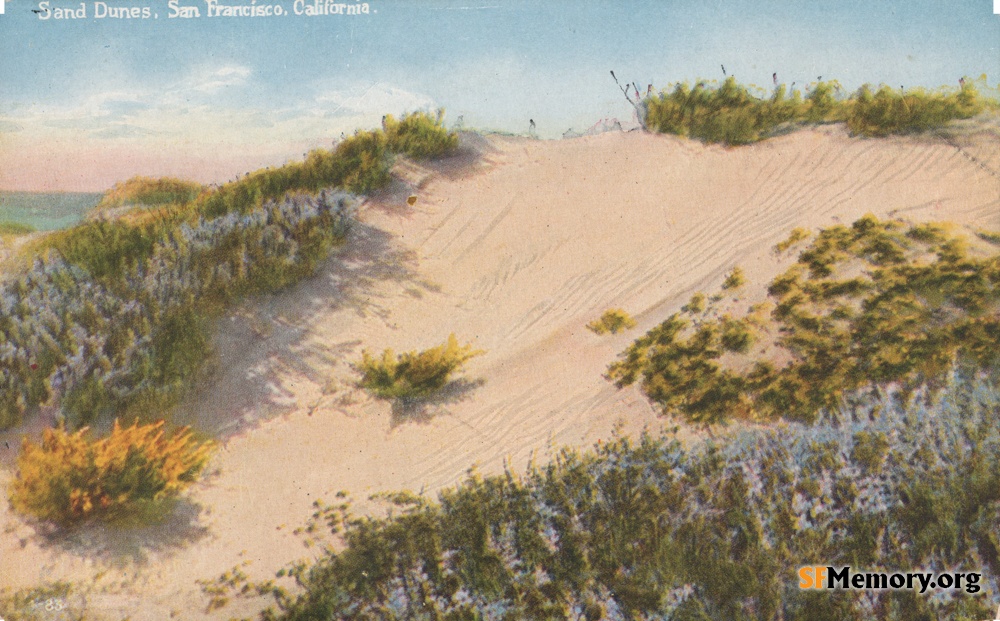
(513, 245)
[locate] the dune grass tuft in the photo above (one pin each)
(890, 111)
(735, 114)
(413, 375)
(419, 135)
(734, 279)
(614, 321)
(797, 235)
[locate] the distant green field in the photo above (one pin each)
(46, 211)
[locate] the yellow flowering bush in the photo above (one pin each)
(69, 477)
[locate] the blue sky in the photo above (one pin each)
(86, 102)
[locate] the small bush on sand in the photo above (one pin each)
(889, 111)
(128, 475)
(798, 234)
(696, 305)
(729, 113)
(735, 279)
(613, 321)
(413, 374)
(990, 236)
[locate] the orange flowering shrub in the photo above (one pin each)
(69, 478)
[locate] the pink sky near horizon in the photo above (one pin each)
(70, 166)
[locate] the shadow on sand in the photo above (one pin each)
(473, 153)
(176, 528)
(266, 341)
(424, 409)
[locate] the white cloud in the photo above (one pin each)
(123, 130)
(209, 80)
(370, 101)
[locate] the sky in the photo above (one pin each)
(89, 101)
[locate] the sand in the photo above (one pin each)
(513, 245)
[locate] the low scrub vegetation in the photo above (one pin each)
(696, 304)
(734, 279)
(413, 374)
(419, 136)
(149, 192)
(111, 319)
(359, 164)
(734, 114)
(55, 601)
(15, 228)
(729, 114)
(614, 321)
(130, 474)
(890, 111)
(875, 305)
(797, 235)
(653, 530)
(990, 236)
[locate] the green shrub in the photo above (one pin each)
(797, 235)
(736, 335)
(734, 279)
(130, 474)
(729, 114)
(613, 321)
(358, 164)
(870, 449)
(413, 374)
(990, 236)
(823, 105)
(695, 305)
(419, 135)
(889, 111)
(106, 249)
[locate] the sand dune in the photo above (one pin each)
(513, 245)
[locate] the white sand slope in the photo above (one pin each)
(514, 246)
